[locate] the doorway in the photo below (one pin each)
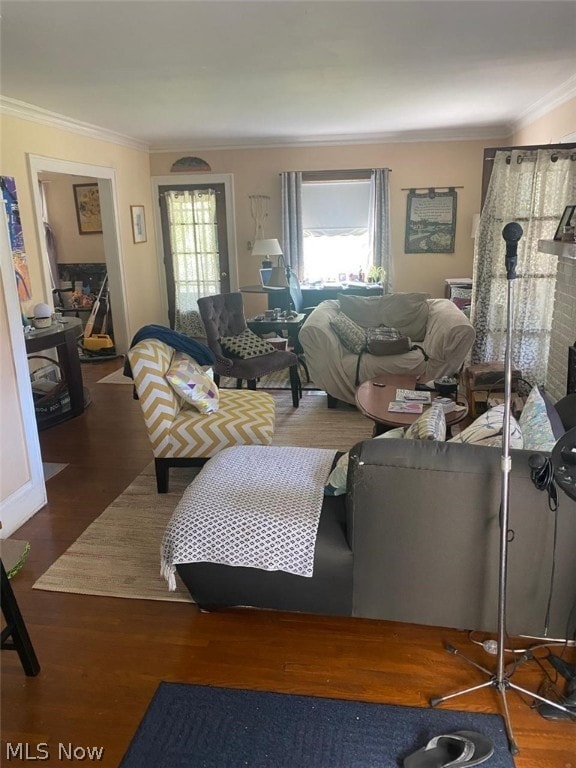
(195, 244)
(106, 181)
(196, 238)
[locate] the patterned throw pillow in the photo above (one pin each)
(352, 336)
(246, 345)
(431, 425)
(193, 384)
(487, 430)
(535, 423)
(336, 483)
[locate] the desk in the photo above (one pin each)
(277, 297)
(64, 338)
(312, 296)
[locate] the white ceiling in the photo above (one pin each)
(177, 74)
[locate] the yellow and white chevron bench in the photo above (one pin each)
(181, 435)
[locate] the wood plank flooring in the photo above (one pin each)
(102, 658)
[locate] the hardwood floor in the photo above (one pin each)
(102, 658)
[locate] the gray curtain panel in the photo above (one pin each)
(292, 232)
(380, 225)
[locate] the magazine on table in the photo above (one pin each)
(405, 406)
(420, 396)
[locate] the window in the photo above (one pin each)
(336, 223)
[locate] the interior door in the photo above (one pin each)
(194, 236)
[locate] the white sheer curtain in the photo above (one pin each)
(193, 236)
(531, 188)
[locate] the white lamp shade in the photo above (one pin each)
(270, 247)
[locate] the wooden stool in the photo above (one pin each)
(483, 379)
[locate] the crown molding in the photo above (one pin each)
(473, 133)
(24, 111)
(555, 98)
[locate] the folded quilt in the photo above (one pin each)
(252, 506)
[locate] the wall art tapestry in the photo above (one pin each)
(8, 186)
(430, 221)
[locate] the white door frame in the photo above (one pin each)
(107, 189)
(26, 500)
(196, 178)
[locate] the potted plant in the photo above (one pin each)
(375, 274)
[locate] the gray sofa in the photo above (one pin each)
(416, 539)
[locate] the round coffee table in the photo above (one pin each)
(373, 398)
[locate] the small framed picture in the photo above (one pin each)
(568, 220)
(138, 223)
(87, 204)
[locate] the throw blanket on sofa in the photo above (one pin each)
(250, 505)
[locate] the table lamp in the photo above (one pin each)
(266, 248)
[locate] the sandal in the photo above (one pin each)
(455, 750)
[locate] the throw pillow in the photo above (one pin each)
(431, 425)
(535, 424)
(246, 345)
(193, 384)
(336, 483)
(553, 415)
(408, 312)
(487, 430)
(352, 336)
(190, 324)
(365, 311)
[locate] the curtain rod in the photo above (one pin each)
(427, 189)
(340, 171)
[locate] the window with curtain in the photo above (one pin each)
(531, 187)
(336, 225)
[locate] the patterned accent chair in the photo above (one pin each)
(181, 435)
(223, 315)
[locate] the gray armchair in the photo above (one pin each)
(223, 315)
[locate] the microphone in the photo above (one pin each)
(512, 233)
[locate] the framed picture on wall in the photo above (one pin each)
(87, 203)
(567, 223)
(430, 221)
(138, 223)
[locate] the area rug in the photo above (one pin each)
(118, 555)
(276, 380)
(195, 725)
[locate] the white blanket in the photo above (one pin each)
(251, 505)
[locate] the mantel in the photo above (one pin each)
(557, 248)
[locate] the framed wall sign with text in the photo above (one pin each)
(430, 221)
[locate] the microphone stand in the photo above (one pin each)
(500, 679)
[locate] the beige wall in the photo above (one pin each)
(439, 164)
(552, 128)
(22, 137)
(73, 248)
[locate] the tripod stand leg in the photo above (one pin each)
(435, 700)
(509, 733)
(537, 696)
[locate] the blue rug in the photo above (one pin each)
(187, 726)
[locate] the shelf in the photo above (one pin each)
(557, 248)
